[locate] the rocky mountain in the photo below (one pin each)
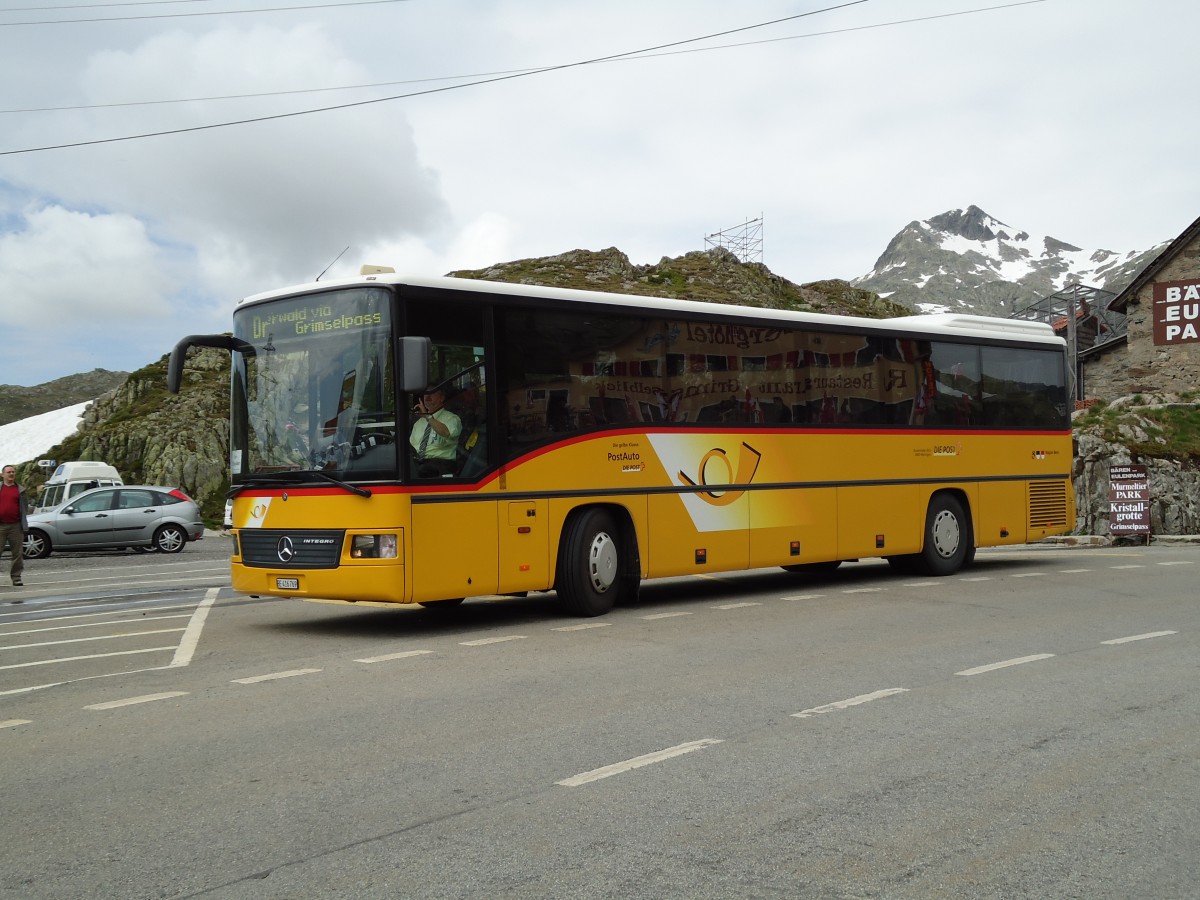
(968, 261)
(17, 402)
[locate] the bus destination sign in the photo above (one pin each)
(1129, 500)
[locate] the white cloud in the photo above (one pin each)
(1061, 116)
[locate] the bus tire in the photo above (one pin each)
(590, 565)
(948, 535)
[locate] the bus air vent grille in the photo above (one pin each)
(1047, 504)
(291, 549)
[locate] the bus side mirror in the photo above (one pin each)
(413, 363)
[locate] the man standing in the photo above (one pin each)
(13, 522)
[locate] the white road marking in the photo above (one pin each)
(1177, 562)
(131, 701)
(922, 583)
(1073, 571)
(1134, 566)
(803, 597)
(274, 675)
(404, 654)
(493, 640)
(984, 578)
(68, 659)
(1028, 574)
(138, 620)
(979, 670)
(736, 605)
(865, 591)
(583, 627)
(669, 615)
(1139, 637)
(845, 704)
(636, 763)
(13, 723)
(191, 636)
(95, 637)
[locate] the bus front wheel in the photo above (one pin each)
(949, 539)
(590, 563)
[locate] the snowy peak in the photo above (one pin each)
(967, 260)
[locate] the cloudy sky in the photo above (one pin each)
(838, 123)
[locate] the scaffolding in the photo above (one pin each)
(1080, 314)
(744, 241)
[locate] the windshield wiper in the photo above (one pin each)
(299, 476)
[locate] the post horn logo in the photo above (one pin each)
(747, 465)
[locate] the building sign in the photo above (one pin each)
(1128, 500)
(1177, 312)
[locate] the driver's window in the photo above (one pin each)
(447, 427)
(94, 502)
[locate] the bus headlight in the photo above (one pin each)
(374, 546)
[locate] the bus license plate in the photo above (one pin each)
(287, 584)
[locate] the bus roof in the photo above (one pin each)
(936, 325)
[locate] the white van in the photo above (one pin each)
(72, 478)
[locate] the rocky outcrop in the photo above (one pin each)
(1137, 429)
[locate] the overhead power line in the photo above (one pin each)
(523, 71)
(646, 52)
(190, 15)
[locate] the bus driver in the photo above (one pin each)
(434, 436)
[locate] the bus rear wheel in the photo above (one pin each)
(949, 538)
(590, 563)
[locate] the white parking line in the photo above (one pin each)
(803, 597)
(140, 619)
(636, 763)
(13, 723)
(1028, 574)
(1133, 566)
(846, 704)
(583, 627)
(922, 583)
(979, 670)
(494, 640)
(191, 636)
(1139, 637)
(1073, 571)
(877, 590)
(131, 701)
(669, 615)
(69, 659)
(1177, 562)
(984, 578)
(95, 637)
(736, 605)
(274, 675)
(404, 654)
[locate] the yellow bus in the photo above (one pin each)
(581, 441)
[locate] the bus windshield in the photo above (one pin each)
(316, 393)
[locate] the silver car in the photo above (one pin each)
(143, 517)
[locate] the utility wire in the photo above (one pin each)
(189, 15)
(525, 71)
(476, 83)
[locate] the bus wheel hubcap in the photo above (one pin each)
(945, 533)
(602, 562)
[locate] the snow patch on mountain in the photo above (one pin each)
(27, 439)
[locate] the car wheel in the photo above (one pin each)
(170, 539)
(37, 545)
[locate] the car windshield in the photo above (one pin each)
(317, 392)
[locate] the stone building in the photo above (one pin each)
(1160, 352)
